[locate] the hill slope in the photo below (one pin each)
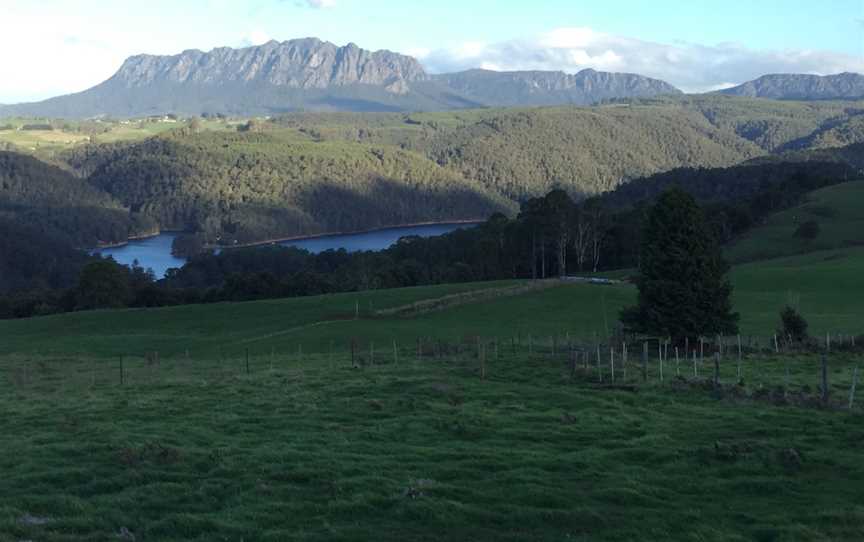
(244, 187)
(837, 211)
(52, 200)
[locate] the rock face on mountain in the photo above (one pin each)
(551, 88)
(801, 87)
(310, 74)
(304, 64)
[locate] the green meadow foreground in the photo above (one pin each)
(306, 450)
(249, 421)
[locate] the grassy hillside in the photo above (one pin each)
(824, 285)
(49, 144)
(837, 210)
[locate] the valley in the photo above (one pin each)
(529, 279)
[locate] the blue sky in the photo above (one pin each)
(696, 45)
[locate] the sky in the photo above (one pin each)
(53, 47)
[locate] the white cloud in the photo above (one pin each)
(255, 37)
(691, 67)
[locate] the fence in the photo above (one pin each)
(756, 367)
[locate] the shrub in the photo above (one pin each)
(808, 230)
(794, 325)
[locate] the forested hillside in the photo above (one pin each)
(310, 173)
(249, 186)
(57, 203)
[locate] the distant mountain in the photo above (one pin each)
(522, 88)
(801, 87)
(310, 74)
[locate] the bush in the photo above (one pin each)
(808, 230)
(794, 325)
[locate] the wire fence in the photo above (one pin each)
(762, 369)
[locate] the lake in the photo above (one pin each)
(155, 252)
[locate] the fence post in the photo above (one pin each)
(395, 353)
(852, 390)
(645, 361)
(612, 362)
(599, 367)
(739, 358)
(695, 366)
(624, 361)
(716, 369)
(677, 363)
(824, 379)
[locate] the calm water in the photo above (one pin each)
(155, 252)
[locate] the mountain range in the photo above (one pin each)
(313, 75)
(842, 86)
(310, 74)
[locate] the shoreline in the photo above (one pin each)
(286, 239)
(102, 246)
(335, 234)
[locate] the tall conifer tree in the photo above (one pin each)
(683, 286)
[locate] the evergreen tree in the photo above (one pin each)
(683, 288)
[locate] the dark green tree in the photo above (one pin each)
(808, 230)
(683, 287)
(794, 325)
(103, 284)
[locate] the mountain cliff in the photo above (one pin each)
(801, 87)
(310, 74)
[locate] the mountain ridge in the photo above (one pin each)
(311, 74)
(798, 86)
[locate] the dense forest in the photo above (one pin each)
(52, 200)
(250, 186)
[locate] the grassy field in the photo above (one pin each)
(313, 449)
(68, 134)
(837, 209)
(262, 432)
(825, 286)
